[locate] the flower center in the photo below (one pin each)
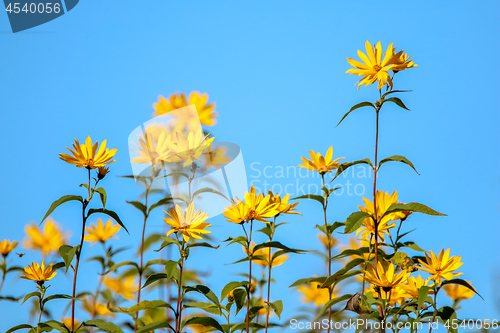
(252, 214)
(377, 67)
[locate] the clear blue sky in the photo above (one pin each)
(276, 71)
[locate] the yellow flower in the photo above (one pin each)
(190, 224)
(100, 232)
(384, 276)
(206, 112)
(373, 67)
(38, 273)
(237, 212)
(401, 61)
(125, 287)
(384, 201)
(154, 146)
(312, 293)
(413, 285)
(215, 158)
(442, 266)
(457, 292)
(87, 156)
(67, 321)
(319, 163)
(266, 254)
(96, 308)
(7, 246)
(49, 241)
(259, 207)
(323, 239)
(190, 148)
(397, 295)
(282, 205)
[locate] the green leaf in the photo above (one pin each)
(28, 296)
(58, 265)
(103, 325)
(207, 307)
(109, 213)
(208, 190)
(422, 295)
(140, 206)
(9, 298)
(277, 307)
(56, 325)
(308, 280)
(153, 278)
(346, 165)
(68, 253)
(462, 283)
(354, 221)
(202, 244)
(411, 245)
(231, 286)
(204, 290)
(413, 207)
(396, 101)
(331, 303)
(161, 202)
(171, 270)
(240, 296)
(175, 174)
(240, 240)
(59, 202)
(102, 194)
(166, 242)
(19, 327)
(144, 305)
(121, 264)
(333, 279)
(153, 326)
(398, 158)
(57, 296)
(205, 321)
(276, 245)
(395, 91)
(316, 197)
(330, 228)
(357, 106)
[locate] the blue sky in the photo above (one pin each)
(276, 72)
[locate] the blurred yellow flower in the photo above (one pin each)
(38, 273)
(125, 287)
(413, 285)
(266, 254)
(96, 308)
(319, 163)
(259, 207)
(7, 246)
(442, 266)
(100, 232)
(312, 293)
(87, 156)
(355, 244)
(237, 212)
(190, 223)
(384, 276)
(67, 321)
(384, 201)
(373, 68)
(457, 292)
(282, 205)
(214, 158)
(206, 111)
(323, 239)
(49, 241)
(154, 146)
(189, 148)
(397, 295)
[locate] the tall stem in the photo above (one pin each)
(142, 252)
(270, 266)
(249, 277)
(42, 289)
(3, 280)
(329, 247)
(178, 320)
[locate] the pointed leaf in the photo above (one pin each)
(413, 207)
(308, 280)
(161, 202)
(276, 245)
(102, 194)
(139, 205)
(205, 321)
(19, 327)
(357, 106)
(354, 221)
(398, 158)
(231, 286)
(331, 303)
(153, 278)
(28, 296)
(462, 283)
(103, 325)
(109, 213)
(397, 101)
(59, 202)
(316, 197)
(208, 190)
(346, 165)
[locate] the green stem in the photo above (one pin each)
(270, 266)
(249, 241)
(435, 306)
(42, 290)
(329, 237)
(178, 321)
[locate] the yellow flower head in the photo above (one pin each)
(237, 212)
(384, 201)
(312, 293)
(267, 254)
(49, 241)
(190, 223)
(323, 239)
(442, 266)
(385, 277)
(154, 146)
(375, 65)
(100, 232)
(215, 157)
(125, 287)
(259, 207)
(189, 148)
(282, 205)
(413, 285)
(457, 292)
(7, 246)
(319, 163)
(88, 156)
(206, 111)
(95, 308)
(38, 273)
(397, 294)
(401, 61)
